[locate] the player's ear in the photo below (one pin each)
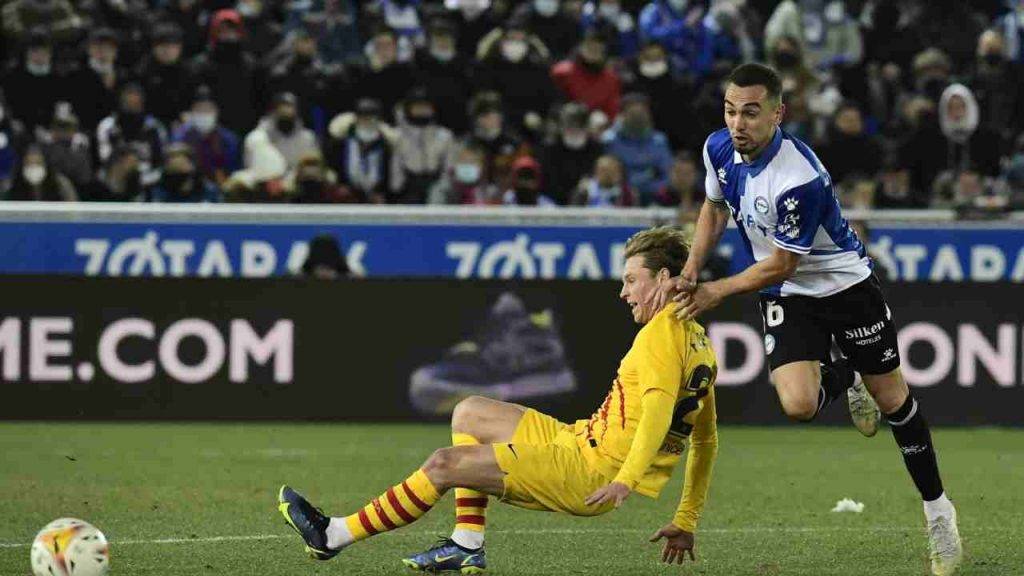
(780, 112)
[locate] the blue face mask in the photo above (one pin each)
(467, 173)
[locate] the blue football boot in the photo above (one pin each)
(308, 521)
(447, 556)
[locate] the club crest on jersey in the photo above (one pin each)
(769, 344)
(761, 205)
(790, 203)
(721, 175)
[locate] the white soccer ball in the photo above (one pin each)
(70, 547)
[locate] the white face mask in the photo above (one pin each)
(679, 5)
(37, 69)
(445, 55)
(574, 141)
(653, 69)
(514, 50)
(34, 174)
(367, 134)
(609, 11)
(546, 8)
(100, 66)
(467, 173)
(205, 122)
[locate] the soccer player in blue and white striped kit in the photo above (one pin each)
(815, 283)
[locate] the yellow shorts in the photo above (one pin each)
(545, 470)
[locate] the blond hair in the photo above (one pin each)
(661, 247)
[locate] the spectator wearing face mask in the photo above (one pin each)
(587, 78)
(526, 185)
(33, 88)
(552, 25)
(998, 85)
(361, 149)
(643, 151)
(826, 34)
(800, 85)
(850, 153)
(68, 151)
(334, 24)
(423, 150)
(215, 149)
(676, 25)
(35, 181)
(570, 156)
(131, 124)
(684, 189)
(616, 25)
(285, 130)
(302, 72)
(607, 188)
(671, 96)
(466, 181)
(165, 77)
(231, 72)
(181, 182)
(91, 88)
(121, 179)
(382, 78)
(490, 133)
(314, 183)
(443, 71)
(514, 64)
(185, 15)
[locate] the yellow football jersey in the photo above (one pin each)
(668, 355)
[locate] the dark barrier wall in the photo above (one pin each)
(81, 348)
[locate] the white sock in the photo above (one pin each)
(941, 506)
(338, 535)
(468, 539)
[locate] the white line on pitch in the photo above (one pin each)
(543, 531)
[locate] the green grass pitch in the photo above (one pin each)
(199, 499)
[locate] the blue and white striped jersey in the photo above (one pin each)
(784, 199)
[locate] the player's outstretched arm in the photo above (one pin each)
(711, 224)
(772, 270)
(678, 543)
(700, 462)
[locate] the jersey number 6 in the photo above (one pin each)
(773, 314)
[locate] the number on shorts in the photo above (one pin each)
(773, 314)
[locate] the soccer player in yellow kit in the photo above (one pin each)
(663, 395)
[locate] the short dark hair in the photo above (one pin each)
(756, 74)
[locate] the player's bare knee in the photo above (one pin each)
(468, 414)
(440, 466)
(800, 410)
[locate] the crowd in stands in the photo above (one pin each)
(908, 103)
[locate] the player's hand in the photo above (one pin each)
(660, 296)
(678, 543)
(704, 298)
(684, 284)
(615, 492)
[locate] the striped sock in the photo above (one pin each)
(470, 506)
(402, 504)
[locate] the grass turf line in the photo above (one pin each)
(199, 499)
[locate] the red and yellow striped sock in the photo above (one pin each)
(402, 504)
(470, 505)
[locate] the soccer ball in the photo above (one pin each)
(70, 547)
